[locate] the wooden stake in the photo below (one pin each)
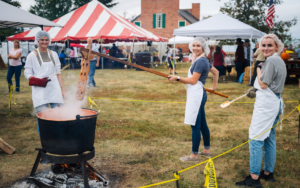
(6, 147)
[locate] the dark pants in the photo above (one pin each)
(200, 127)
(254, 72)
(246, 64)
(239, 69)
(221, 69)
(73, 62)
(11, 71)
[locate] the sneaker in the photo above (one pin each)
(176, 73)
(188, 159)
(269, 177)
(249, 182)
(208, 155)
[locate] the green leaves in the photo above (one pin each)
(253, 12)
(108, 3)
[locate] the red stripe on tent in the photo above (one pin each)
(76, 15)
(125, 32)
(90, 22)
(109, 25)
(19, 36)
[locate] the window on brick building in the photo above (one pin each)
(181, 23)
(159, 20)
(138, 23)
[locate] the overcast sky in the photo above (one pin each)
(285, 11)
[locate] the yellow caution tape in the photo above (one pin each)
(209, 171)
(91, 103)
(298, 107)
(132, 100)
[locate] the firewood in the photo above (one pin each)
(6, 147)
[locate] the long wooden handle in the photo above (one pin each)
(85, 51)
(59, 71)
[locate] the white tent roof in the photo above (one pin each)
(12, 16)
(219, 26)
(186, 40)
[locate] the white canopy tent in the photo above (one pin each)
(186, 40)
(220, 26)
(12, 16)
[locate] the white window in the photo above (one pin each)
(138, 23)
(159, 21)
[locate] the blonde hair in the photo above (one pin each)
(17, 41)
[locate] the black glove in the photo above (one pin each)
(251, 93)
(260, 65)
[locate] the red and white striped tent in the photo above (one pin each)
(92, 20)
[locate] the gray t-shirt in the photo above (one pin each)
(201, 66)
(274, 73)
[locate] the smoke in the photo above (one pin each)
(71, 107)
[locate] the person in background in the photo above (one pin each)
(219, 62)
(211, 55)
(15, 66)
(256, 47)
(247, 53)
(62, 57)
(180, 54)
(113, 51)
(72, 56)
(197, 97)
(224, 54)
(285, 48)
(170, 59)
(40, 65)
(268, 87)
(298, 51)
(260, 58)
(239, 58)
(291, 48)
(93, 64)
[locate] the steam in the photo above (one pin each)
(71, 107)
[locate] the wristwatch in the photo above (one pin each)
(178, 78)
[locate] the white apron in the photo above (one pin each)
(266, 108)
(52, 92)
(194, 95)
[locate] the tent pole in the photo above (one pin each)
(251, 55)
(101, 52)
(7, 51)
(174, 57)
(28, 47)
(160, 56)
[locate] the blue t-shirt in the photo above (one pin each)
(201, 66)
(298, 51)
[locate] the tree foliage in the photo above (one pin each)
(51, 9)
(108, 3)
(254, 13)
(10, 31)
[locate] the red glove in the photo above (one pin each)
(40, 82)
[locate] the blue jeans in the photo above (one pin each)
(200, 127)
(256, 153)
(42, 108)
(11, 71)
(91, 81)
(239, 69)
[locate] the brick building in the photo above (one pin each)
(163, 16)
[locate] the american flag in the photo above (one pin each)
(270, 16)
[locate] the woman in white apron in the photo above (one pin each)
(196, 97)
(268, 87)
(40, 64)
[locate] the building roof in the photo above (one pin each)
(187, 16)
(183, 13)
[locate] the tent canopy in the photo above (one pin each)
(219, 26)
(187, 40)
(12, 16)
(92, 20)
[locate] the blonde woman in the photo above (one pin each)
(15, 65)
(268, 87)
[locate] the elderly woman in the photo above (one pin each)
(41, 64)
(268, 87)
(15, 65)
(196, 97)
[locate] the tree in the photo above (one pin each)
(51, 9)
(108, 3)
(205, 17)
(253, 12)
(128, 16)
(10, 31)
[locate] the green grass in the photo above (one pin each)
(142, 142)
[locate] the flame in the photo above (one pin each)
(91, 172)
